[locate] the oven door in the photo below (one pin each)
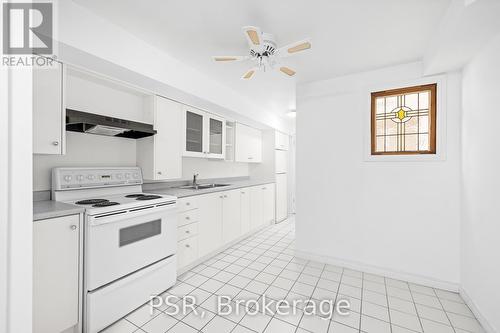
(120, 243)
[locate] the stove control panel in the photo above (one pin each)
(74, 178)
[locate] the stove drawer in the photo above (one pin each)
(187, 251)
(110, 303)
(185, 204)
(187, 217)
(186, 231)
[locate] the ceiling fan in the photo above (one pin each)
(264, 53)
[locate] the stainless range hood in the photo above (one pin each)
(84, 122)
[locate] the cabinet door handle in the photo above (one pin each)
(187, 245)
(264, 188)
(225, 196)
(73, 227)
(159, 172)
(187, 232)
(221, 196)
(188, 218)
(55, 143)
(242, 192)
(188, 203)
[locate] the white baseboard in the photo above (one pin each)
(475, 310)
(418, 279)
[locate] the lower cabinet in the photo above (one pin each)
(208, 222)
(187, 251)
(256, 215)
(56, 268)
(261, 205)
(210, 228)
(245, 210)
(231, 215)
(281, 197)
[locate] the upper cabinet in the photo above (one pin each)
(281, 141)
(204, 134)
(248, 144)
(49, 112)
(160, 155)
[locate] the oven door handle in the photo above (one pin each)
(117, 216)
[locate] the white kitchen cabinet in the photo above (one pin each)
(160, 155)
(281, 141)
(204, 134)
(256, 214)
(281, 197)
(49, 111)
(231, 218)
(187, 251)
(281, 159)
(56, 268)
(248, 144)
(245, 210)
(268, 203)
(210, 223)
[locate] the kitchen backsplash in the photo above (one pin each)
(96, 150)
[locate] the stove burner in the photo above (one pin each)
(148, 197)
(105, 204)
(134, 195)
(91, 201)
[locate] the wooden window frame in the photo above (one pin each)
(432, 112)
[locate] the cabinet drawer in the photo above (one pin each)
(187, 217)
(187, 231)
(187, 251)
(184, 204)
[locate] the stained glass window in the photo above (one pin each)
(404, 121)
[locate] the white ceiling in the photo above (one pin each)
(347, 36)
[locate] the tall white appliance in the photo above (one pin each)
(281, 146)
(130, 240)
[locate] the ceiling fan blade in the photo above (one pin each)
(253, 36)
(249, 74)
(230, 58)
(288, 71)
(293, 48)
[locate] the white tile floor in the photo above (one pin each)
(264, 264)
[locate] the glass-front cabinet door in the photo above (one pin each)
(217, 136)
(204, 134)
(194, 133)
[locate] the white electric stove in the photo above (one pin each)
(130, 239)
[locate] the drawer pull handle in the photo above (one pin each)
(73, 227)
(188, 218)
(225, 196)
(188, 203)
(187, 232)
(55, 143)
(187, 245)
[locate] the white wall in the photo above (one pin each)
(84, 150)
(212, 168)
(393, 217)
(480, 250)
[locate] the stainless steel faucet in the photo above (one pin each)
(195, 179)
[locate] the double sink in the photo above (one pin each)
(203, 186)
